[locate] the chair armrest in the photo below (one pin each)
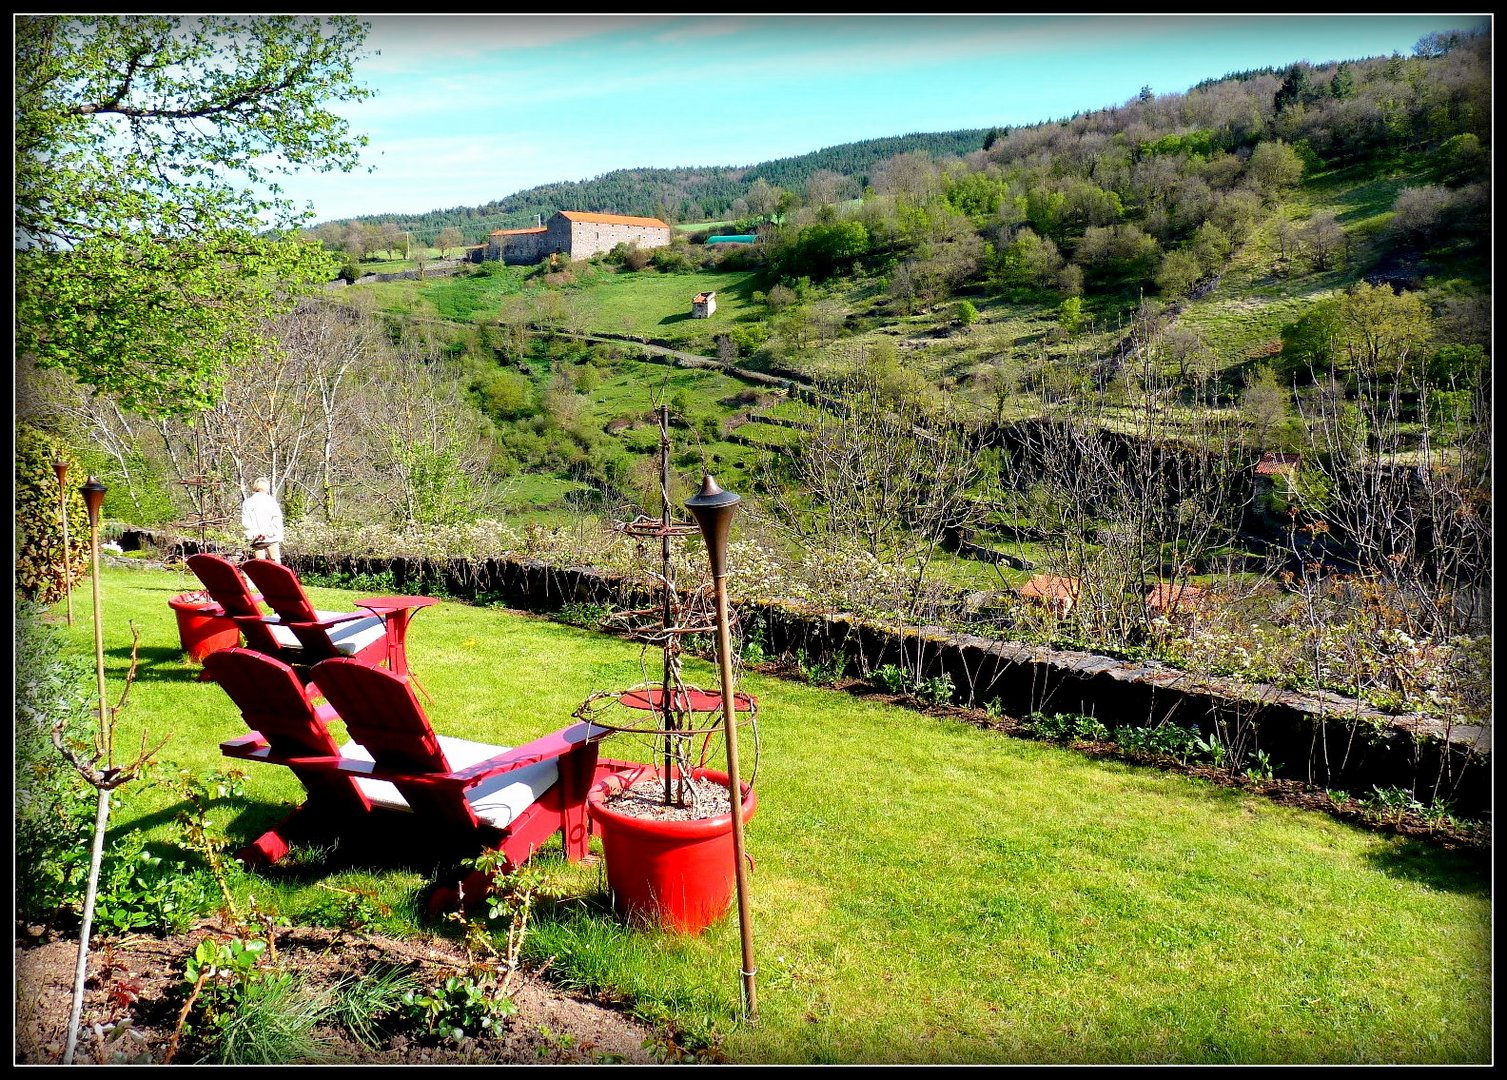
(555, 744)
(242, 743)
(333, 620)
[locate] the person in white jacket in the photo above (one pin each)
(262, 519)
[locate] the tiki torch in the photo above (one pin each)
(713, 509)
(60, 467)
(94, 494)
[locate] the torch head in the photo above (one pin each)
(713, 509)
(60, 466)
(94, 496)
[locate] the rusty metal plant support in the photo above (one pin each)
(670, 711)
(60, 467)
(713, 509)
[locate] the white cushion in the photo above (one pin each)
(285, 636)
(349, 638)
(497, 800)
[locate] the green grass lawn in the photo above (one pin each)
(924, 890)
(654, 305)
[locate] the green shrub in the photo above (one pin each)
(461, 1007)
(937, 690)
(54, 807)
(891, 679)
(589, 616)
(753, 651)
(39, 531)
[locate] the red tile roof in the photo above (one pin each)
(1051, 587)
(1273, 464)
(517, 232)
(613, 219)
(1164, 595)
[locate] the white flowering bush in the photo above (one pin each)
(1356, 636)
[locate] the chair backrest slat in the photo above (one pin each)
(227, 587)
(281, 589)
(272, 703)
(224, 584)
(382, 714)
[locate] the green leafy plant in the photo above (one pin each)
(753, 651)
(1437, 815)
(1049, 725)
(820, 672)
(462, 1006)
(683, 1040)
(1162, 740)
(1260, 766)
(891, 679)
(142, 891)
(1090, 729)
(1391, 804)
(200, 834)
(1214, 749)
(589, 616)
(937, 690)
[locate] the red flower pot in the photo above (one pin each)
(203, 628)
(678, 874)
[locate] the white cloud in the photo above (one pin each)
(422, 43)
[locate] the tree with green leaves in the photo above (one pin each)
(152, 238)
(1274, 167)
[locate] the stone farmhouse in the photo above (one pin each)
(576, 234)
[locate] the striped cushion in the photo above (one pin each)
(349, 638)
(497, 801)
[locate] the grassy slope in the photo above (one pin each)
(925, 890)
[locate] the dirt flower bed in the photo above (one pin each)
(134, 993)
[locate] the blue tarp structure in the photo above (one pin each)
(743, 238)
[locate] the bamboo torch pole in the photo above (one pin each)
(60, 467)
(94, 495)
(713, 509)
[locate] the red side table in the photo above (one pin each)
(398, 611)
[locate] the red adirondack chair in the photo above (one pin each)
(229, 589)
(287, 728)
(359, 635)
(475, 796)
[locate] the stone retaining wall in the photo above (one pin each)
(1324, 739)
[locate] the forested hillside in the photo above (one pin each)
(683, 194)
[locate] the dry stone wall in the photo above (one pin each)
(1323, 739)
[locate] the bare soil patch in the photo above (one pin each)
(139, 981)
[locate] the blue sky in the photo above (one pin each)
(469, 109)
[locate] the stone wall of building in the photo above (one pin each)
(518, 249)
(583, 239)
(573, 239)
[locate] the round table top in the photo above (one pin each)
(699, 701)
(396, 602)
